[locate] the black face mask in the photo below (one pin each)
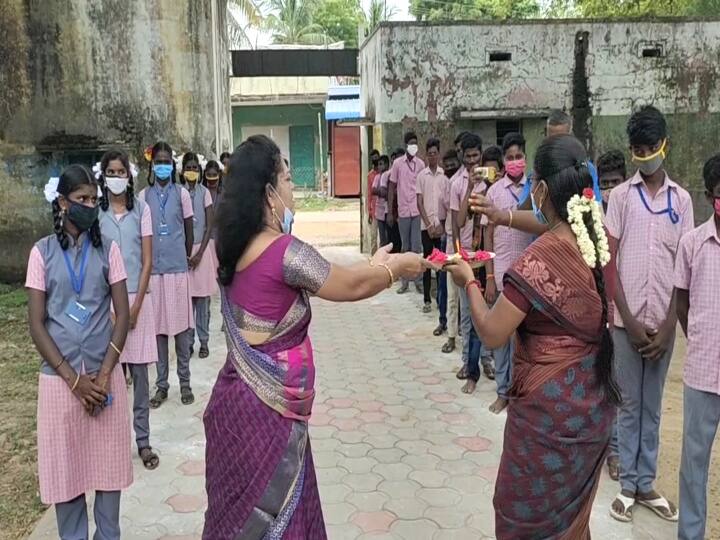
(451, 172)
(82, 216)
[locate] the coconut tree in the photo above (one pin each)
(291, 22)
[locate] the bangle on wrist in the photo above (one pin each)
(390, 274)
(471, 283)
(489, 276)
(74, 386)
(60, 364)
(510, 222)
(115, 348)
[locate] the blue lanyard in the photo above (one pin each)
(517, 199)
(78, 281)
(672, 214)
(593, 172)
(163, 202)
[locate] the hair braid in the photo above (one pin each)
(130, 193)
(58, 225)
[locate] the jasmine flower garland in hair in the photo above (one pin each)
(577, 206)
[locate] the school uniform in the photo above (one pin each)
(169, 281)
(203, 280)
(697, 270)
(127, 230)
(648, 230)
(380, 181)
(78, 453)
(452, 292)
(508, 244)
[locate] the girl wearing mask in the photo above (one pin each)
(127, 221)
(203, 282)
(171, 211)
(83, 429)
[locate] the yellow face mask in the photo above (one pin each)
(191, 176)
(649, 164)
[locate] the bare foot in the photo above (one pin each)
(469, 387)
(498, 405)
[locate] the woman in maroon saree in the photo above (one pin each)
(260, 476)
(563, 396)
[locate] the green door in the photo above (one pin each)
(302, 156)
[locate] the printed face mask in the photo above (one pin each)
(117, 184)
(650, 164)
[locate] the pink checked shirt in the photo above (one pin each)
(457, 193)
(381, 181)
(430, 186)
(697, 270)
(403, 173)
(508, 243)
(647, 245)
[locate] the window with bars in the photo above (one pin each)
(503, 127)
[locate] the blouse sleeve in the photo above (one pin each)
(146, 222)
(187, 206)
(35, 278)
(304, 268)
(208, 198)
(117, 266)
(511, 292)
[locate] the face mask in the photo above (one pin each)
(649, 165)
(515, 168)
(288, 217)
(191, 176)
(537, 211)
(451, 172)
(212, 180)
(412, 150)
(82, 216)
(162, 171)
(116, 184)
(717, 206)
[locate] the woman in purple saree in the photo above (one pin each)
(260, 476)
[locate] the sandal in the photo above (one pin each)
(657, 505)
(626, 515)
(158, 399)
(439, 331)
(149, 458)
(186, 396)
(204, 351)
(613, 464)
(462, 373)
(449, 346)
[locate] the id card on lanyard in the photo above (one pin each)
(75, 310)
(163, 229)
(669, 210)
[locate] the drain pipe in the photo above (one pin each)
(216, 99)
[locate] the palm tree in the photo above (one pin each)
(378, 12)
(291, 23)
(241, 15)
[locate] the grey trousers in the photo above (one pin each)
(201, 307)
(465, 325)
(141, 403)
(701, 415)
(411, 238)
(614, 439)
(641, 384)
(182, 350)
(72, 518)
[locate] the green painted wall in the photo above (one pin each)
(282, 115)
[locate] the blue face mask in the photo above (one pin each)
(537, 211)
(162, 170)
(288, 217)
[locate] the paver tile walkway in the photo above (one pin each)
(400, 452)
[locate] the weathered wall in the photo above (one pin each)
(80, 76)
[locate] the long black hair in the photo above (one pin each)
(562, 162)
(214, 165)
(112, 155)
(71, 179)
(190, 156)
(159, 147)
(241, 212)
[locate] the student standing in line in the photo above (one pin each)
(171, 210)
(611, 173)
(697, 271)
(430, 182)
(379, 191)
(225, 161)
(451, 165)
(391, 219)
(370, 199)
(203, 278)
(126, 221)
(83, 428)
(647, 215)
(403, 182)
(508, 245)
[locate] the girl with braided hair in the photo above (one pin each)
(562, 396)
(83, 429)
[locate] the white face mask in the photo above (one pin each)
(412, 149)
(116, 184)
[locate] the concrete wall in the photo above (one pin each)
(80, 76)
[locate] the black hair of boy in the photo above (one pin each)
(410, 136)
(513, 139)
(471, 140)
(711, 173)
(647, 126)
(612, 161)
(492, 153)
(432, 142)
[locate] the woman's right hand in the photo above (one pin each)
(89, 393)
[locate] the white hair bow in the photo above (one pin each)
(97, 169)
(50, 190)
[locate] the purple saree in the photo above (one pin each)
(260, 477)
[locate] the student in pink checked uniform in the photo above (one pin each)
(83, 428)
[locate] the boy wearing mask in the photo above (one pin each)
(646, 217)
(379, 192)
(451, 166)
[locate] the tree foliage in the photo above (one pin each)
(635, 8)
(449, 10)
(291, 22)
(339, 20)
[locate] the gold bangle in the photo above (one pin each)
(115, 348)
(510, 223)
(390, 274)
(74, 386)
(489, 275)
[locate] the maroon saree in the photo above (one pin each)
(559, 422)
